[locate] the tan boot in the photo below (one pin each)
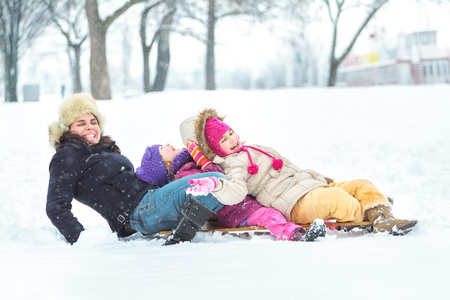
(382, 220)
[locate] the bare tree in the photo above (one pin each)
(209, 12)
(69, 17)
(163, 59)
(162, 37)
(335, 11)
(21, 21)
(147, 46)
(100, 85)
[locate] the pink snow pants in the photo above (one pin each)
(274, 221)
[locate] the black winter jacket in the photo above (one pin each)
(98, 178)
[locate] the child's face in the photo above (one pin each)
(168, 152)
(230, 142)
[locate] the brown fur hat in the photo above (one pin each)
(199, 129)
(71, 108)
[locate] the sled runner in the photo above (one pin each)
(214, 226)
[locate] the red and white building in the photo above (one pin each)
(418, 60)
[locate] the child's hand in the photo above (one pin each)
(202, 187)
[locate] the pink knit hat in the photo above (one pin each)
(214, 130)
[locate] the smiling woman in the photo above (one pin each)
(87, 127)
(74, 117)
(89, 167)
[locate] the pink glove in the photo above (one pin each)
(202, 187)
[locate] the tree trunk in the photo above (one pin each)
(333, 65)
(77, 87)
(210, 44)
(10, 51)
(163, 60)
(333, 72)
(100, 86)
(145, 49)
(11, 76)
(146, 66)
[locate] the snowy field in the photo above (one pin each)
(396, 136)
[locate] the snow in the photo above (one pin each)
(396, 136)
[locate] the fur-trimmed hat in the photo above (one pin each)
(71, 108)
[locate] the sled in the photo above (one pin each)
(214, 226)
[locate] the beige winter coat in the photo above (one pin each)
(278, 189)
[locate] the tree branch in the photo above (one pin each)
(108, 21)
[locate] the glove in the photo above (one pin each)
(197, 155)
(202, 187)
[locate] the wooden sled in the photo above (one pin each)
(214, 226)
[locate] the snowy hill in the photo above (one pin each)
(396, 136)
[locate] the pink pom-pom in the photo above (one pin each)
(252, 169)
(277, 164)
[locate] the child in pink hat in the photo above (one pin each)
(301, 195)
(162, 164)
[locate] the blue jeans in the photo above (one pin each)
(160, 208)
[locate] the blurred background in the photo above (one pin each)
(124, 48)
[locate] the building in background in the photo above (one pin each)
(418, 59)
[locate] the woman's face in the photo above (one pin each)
(86, 126)
(168, 152)
(230, 142)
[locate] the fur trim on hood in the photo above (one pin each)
(199, 129)
(70, 109)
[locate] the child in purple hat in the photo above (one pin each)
(163, 164)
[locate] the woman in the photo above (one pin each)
(88, 167)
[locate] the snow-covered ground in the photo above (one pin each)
(396, 136)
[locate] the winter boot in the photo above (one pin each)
(298, 234)
(316, 230)
(193, 216)
(383, 220)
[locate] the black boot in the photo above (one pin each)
(193, 216)
(298, 235)
(316, 230)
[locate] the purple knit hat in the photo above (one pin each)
(214, 130)
(152, 169)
